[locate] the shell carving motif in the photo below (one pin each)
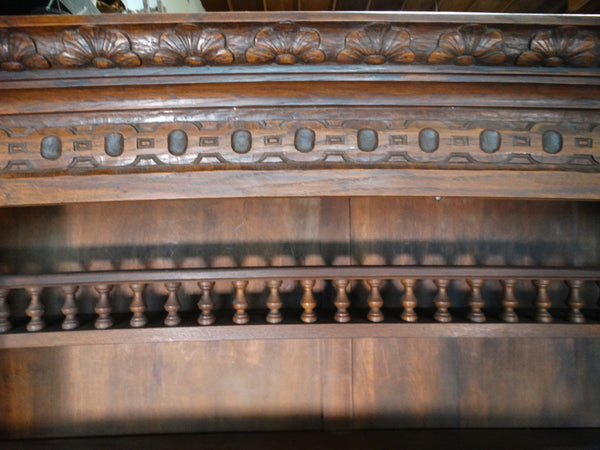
(377, 44)
(192, 46)
(286, 43)
(561, 46)
(18, 52)
(97, 47)
(468, 45)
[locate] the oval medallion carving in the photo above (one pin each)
(489, 141)
(241, 141)
(51, 148)
(429, 140)
(304, 140)
(114, 144)
(552, 141)
(367, 140)
(177, 142)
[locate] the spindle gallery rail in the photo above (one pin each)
(340, 276)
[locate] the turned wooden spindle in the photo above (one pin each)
(4, 312)
(575, 301)
(542, 302)
(509, 302)
(341, 302)
(205, 304)
(308, 302)
(374, 301)
(240, 304)
(476, 301)
(274, 302)
(103, 308)
(35, 310)
(69, 308)
(442, 301)
(137, 306)
(172, 304)
(409, 301)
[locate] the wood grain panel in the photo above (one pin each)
(475, 383)
(337, 383)
(528, 383)
(405, 383)
(168, 387)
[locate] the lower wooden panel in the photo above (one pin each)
(292, 384)
(168, 387)
(476, 383)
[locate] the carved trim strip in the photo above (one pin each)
(288, 43)
(309, 144)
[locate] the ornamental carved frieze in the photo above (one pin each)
(286, 43)
(377, 44)
(18, 52)
(469, 44)
(283, 144)
(282, 44)
(97, 47)
(564, 46)
(191, 45)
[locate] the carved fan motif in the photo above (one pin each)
(98, 47)
(562, 46)
(192, 46)
(286, 43)
(469, 44)
(377, 44)
(18, 52)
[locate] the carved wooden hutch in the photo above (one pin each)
(306, 221)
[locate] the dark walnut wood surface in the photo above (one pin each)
(204, 153)
(218, 105)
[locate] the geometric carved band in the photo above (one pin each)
(305, 143)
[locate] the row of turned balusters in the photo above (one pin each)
(104, 320)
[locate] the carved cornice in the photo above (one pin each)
(203, 42)
(478, 105)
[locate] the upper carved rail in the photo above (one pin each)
(396, 40)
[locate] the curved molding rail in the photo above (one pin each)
(299, 39)
(218, 105)
(341, 277)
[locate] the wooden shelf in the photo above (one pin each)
(325, 329)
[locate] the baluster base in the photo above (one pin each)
(70, 324)
(274, 317)
(375, 316)
(241, 318)
(102, 323)
(172, 319)
(476, 316)
(543, 317)
(138, 321)
(509, 317)
(576, 317)
(308, 317)
(442, 316)
(409, 316)
(206, 319)
(35, 325)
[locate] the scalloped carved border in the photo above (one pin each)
(290, 43)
